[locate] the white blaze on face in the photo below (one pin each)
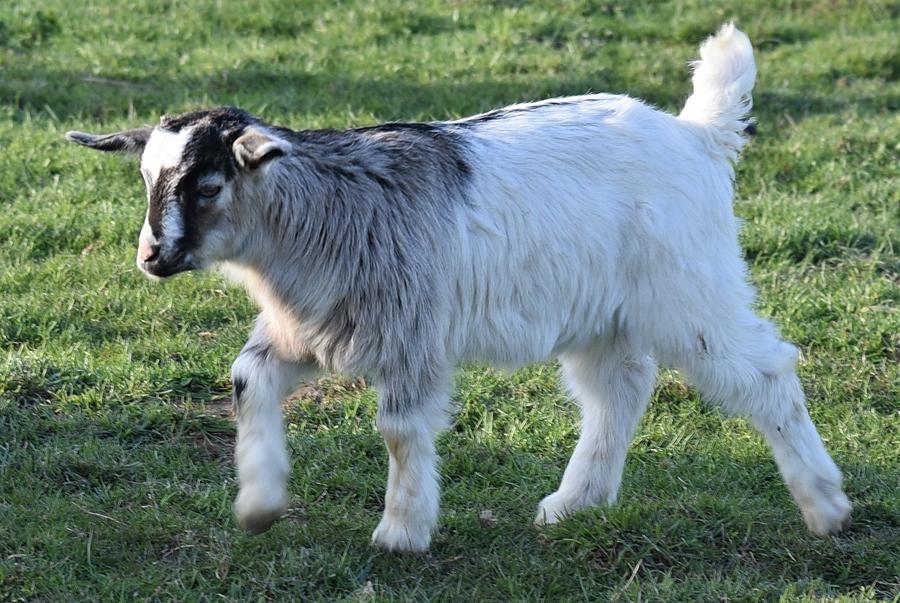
(164, 150)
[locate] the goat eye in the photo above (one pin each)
(209, 191)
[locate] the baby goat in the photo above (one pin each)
(594, 229)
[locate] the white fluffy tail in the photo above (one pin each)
(723, 80)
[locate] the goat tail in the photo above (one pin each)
(723, 80)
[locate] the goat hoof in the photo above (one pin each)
(255, 516)
(553, 509)
(825, 507)
(393, 535)
(258, 523)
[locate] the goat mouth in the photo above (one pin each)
(158, 270)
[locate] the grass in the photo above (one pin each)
(115, 454)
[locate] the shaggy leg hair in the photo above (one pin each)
(411, 413)
(261, 381)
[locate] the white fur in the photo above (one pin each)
(261, 453)
(413, 498)
(608, 217)
(605, 220)
(723, 79)
(613, 384)
(262, 463)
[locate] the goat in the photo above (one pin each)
(594, 229)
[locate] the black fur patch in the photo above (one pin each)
(703, 345)
(240, 384)
(383, 182)
(224, 119)
(507, 112)
(258, 350)
(207, 151)
(238, 388)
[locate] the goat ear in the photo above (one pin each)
(127, 141)
(255, 147)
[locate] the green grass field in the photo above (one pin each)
(116, 474)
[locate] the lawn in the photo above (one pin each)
(116, 475)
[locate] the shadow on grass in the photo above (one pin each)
(270, 92)
(264, 89)
(801, 106)
(701, 517)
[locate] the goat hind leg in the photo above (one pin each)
(749, 371)
(612, 385)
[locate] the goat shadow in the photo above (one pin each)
(268, 90)
(278, 91)
(675, 510)
(274, 91)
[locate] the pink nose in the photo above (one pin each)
(147, 251)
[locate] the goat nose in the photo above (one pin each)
(147, 252)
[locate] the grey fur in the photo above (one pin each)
(348, 230)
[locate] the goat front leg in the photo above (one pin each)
(409, 422)
(261, 381)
